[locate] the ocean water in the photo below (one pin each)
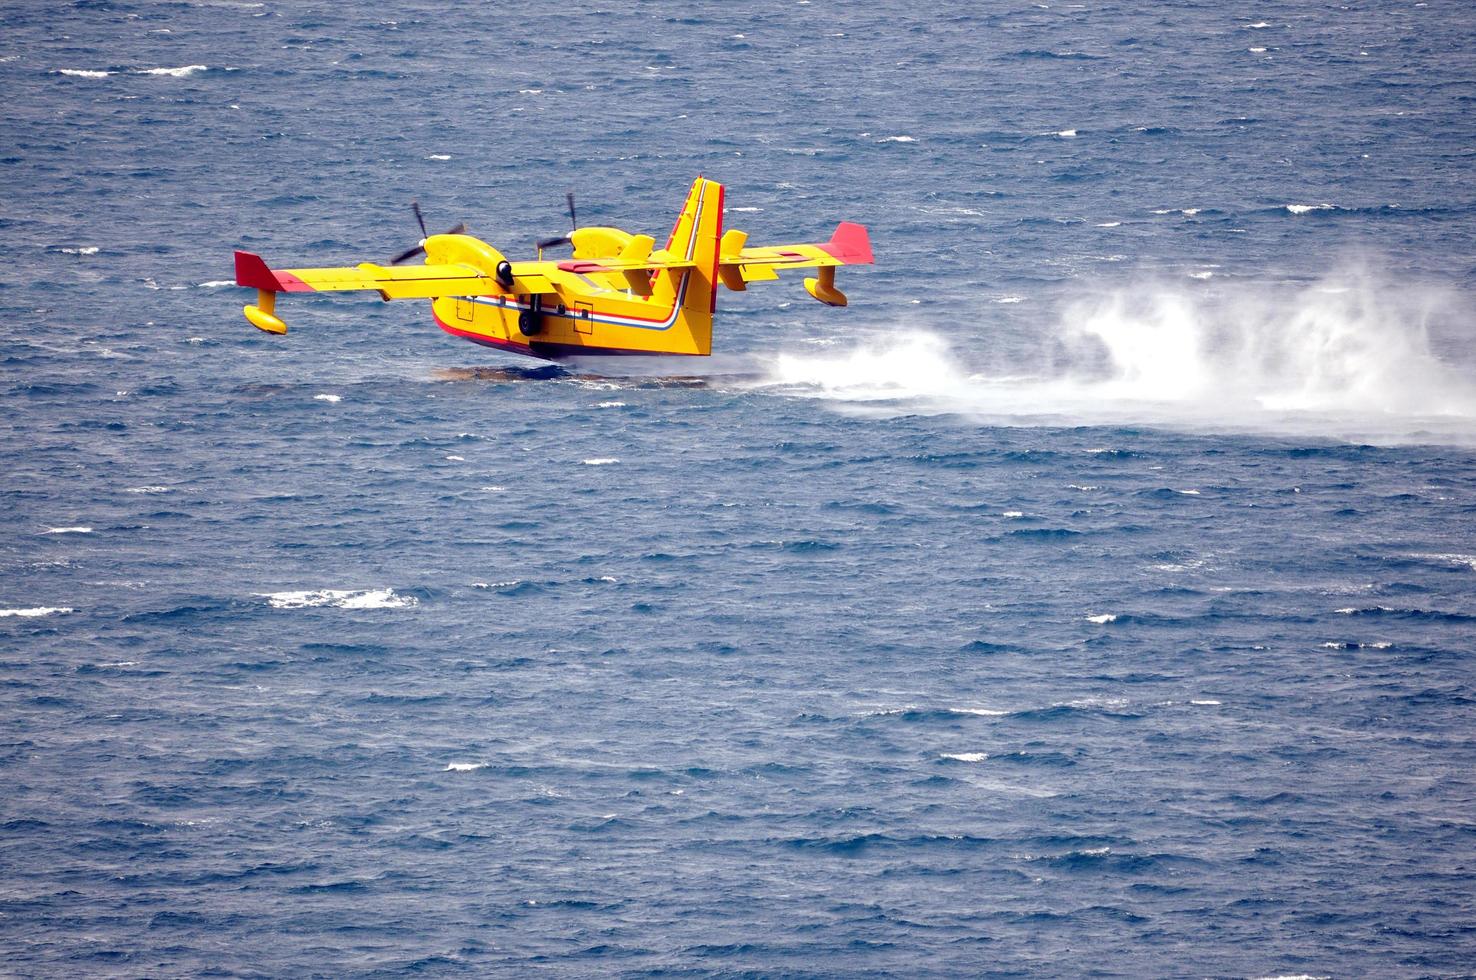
(1095, 595)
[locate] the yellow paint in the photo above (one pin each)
(823, 288)
(261, 316)
(618, 292)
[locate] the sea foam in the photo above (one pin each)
(35, 611)
(340, 599)
(182, 72)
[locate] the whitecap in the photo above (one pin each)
(457, 459)
(328, 398)
(464, 766)
(217, 283)
(1010, 299)
(745, 210)
(1256, 50)
(1083, 486)
(898, 139)
(340, 599)
(1304, 208)
(67, 530)
(148, 489)
(612, 404)
(81, 73)
(1103, 619)
(1206, 703)
(497, 585)
(35, 611)
(884, 712)
(602, 461)
(182, 72)
(1188, 493)
(966, 756)
(1109, 224)
(982, 712)
(493, 489)
(1203, 274)
(84, 250)
(439, 156)
(1468, 560)
(1065, 132)
(1257, 25)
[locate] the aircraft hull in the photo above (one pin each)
(547, 350)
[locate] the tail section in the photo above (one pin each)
(695, 238)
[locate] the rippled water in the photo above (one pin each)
(1094, 595)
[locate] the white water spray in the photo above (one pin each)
(1347, 357)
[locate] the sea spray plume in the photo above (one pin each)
(1349, 343)
(1348, 356)
(918, 364)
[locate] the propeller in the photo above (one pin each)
(573, 226)
(419, 249)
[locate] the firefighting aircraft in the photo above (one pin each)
(617, 295)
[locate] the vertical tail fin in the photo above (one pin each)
(695, 238)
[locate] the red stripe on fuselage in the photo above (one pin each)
(717, 249)
(550, 352)
(511, 346)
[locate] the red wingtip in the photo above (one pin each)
(252, 271)
(850, 243)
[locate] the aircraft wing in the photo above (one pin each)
(584, 266)
(391, 281)
(630, 270)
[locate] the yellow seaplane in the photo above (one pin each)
(618, 294)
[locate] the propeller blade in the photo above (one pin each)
(552, 242)
(459, 229)
(409, 253)
(573, 224)
(415, 206)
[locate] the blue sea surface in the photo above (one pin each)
(1094, 596)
